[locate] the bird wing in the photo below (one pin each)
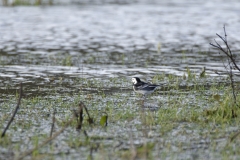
(143, 86)
(147, 85)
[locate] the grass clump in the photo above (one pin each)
(224, 110)
(67, 61)
(143, 151)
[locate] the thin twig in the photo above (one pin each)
(230, 58)
(234, 136)
(16, 109)
(46, 141)
(76, 114)
(228, 52)
(231, 79)
(232, 85)
(228, 68)
(53, 122)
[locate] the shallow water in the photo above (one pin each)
(114, 40)
(61, 53)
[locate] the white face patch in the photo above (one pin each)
(134, 80)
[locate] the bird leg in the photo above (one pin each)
(143, 99)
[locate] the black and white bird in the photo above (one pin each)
(143, 87)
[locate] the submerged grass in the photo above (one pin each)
(26, 3)
(185, 118)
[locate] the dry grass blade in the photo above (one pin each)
(78, 114)
(90, 120)
(46, 141)
(234, 136)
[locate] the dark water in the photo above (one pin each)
(113, 40)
